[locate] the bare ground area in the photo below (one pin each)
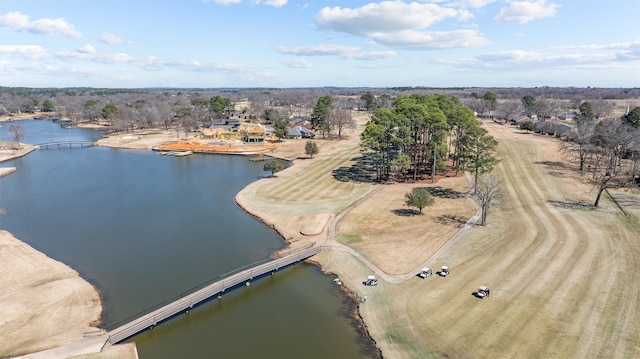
(43, 303)
(142, 140)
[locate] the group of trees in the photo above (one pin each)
(331, 120)
(420, 133)
(413, 132)
(606, 150)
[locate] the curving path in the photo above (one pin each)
(335, 245)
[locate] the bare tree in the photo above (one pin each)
(612, 140)
(91, 110)
(601, 108)
(578, 144)
(17, 133)
(489, 193)
(339, 120)
(509, 110)
(187, 122)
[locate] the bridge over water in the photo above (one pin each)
(65, 144)
(198, 295)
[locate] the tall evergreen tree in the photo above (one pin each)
(320, 114)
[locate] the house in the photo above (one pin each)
(298, 132)
(253, 132)
(219, 122)
(530, 114)
(552, 128)
(222, 122)
(569, 116)
(217, 133)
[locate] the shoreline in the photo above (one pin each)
(69, 348)
(285, 219)
(545, 213)
(363, 235)
(358, 321)
(61, 297)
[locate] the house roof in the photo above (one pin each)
(253, 129)
(297, 131)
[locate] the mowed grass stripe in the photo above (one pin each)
(584, 286)
(529, 284)
(315, 182)
(616, 318)
(515, 336)
(575, 239)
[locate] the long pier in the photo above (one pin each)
(187, 302)
(65, 144)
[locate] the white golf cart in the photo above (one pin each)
(371, 281)
(426, 272)
(444, 271)
(483, 291)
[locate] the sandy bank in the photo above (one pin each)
(43, 302)
(5, 171)
(46, 308)
(6, 153)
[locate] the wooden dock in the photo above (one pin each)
(187, 302)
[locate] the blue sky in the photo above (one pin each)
(288, 43)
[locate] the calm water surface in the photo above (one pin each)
(144, 228)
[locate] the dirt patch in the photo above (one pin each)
(231, 147)
(397, 238)
(139, 140)
(315, 225)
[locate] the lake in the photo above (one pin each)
(144, 228)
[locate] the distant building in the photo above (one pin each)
(299, 132)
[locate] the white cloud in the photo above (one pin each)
(114, 58)
(371, 55)
(346, 52)
(402, 25)
(594, 56)
(87, 49)
(154, 63)
(317, 50)
(512, 56)
(45, 26)
(477, 3)
(298, 64)
(86, 54)
(419, 40)
(630, 52)
(111, 39)
(33, 52)
(274, 3)
(386, 16)
(615, 46)
(525, 11)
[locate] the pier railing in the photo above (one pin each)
(188, 299)
(64, 144)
